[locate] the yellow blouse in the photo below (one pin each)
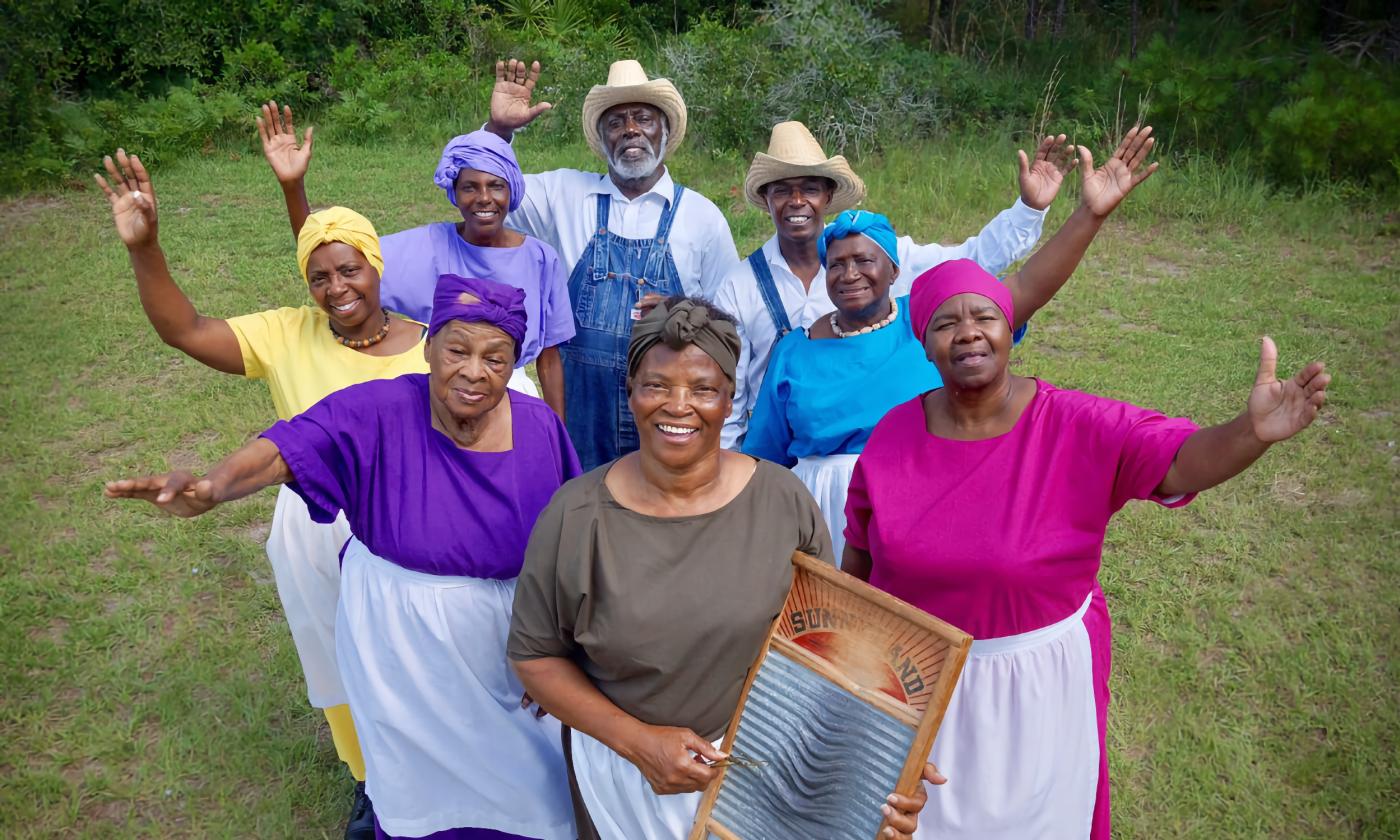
(293, 349)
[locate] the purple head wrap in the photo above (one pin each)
(485, 152)
(954, 277)
(482, 301)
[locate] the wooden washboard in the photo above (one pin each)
(841, 707)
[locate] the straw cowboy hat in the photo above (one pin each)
(627, 83)
(794, 153)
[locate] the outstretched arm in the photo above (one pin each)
(247, 470)
(511, 108)
(289, 161)
(1275, 411)
(134, 206)
(1103, 190)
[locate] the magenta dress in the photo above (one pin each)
(1003, 538)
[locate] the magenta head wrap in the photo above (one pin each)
(472, 299)
(947, 279)
(484, 152)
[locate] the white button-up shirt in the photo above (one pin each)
(1005, 239)
(561, 210)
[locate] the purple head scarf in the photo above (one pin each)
(482, 301)
(485, 152)
(954, 277)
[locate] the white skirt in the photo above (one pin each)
(827, 478)
(305, 557)
(437, 707)
(620, 800)
(521, 381)
(1020, 740)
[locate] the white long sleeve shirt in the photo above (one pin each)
(560, 209)
(1005, 239)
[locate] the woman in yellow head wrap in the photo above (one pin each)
(304, 353)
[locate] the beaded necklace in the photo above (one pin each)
(889, 319)
(361, 343)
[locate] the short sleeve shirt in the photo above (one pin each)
(1005, 535)
(664, 615)
(414, 258)
(294, 350)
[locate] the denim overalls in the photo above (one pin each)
(612, 275)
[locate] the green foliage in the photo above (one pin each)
(1304, 116)
(722, 73)
(1257, 81)
(1334, 123)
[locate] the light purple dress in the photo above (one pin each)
(427, 584)
(414, 258)
(1003, 538)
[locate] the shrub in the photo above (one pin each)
(1306, 116)
(723, 74)
(1334, 123)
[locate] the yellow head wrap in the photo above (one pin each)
(338, 224)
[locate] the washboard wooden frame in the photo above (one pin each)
(898, 660)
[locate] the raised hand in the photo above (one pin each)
(1042, 176)
(179, 493)
(132, 197)
(1104, 188)
(279, 143)
(511, 107)
(1280, 410)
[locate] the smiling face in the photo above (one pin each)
(484, 201)
(345, 285)
(969, 341)
(634, 135)
(797, 206)
(469, 365)
(680, 399)
(858, 277)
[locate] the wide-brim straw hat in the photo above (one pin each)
(794, 153)
(628, 83)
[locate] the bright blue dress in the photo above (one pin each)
(824, 396)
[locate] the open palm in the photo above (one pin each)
(132, 197)
(1104, 188)
(288, 160)
(511, 106)
(1042, 176)
(1280, 410)
(177, 493)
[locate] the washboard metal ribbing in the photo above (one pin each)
(839, 709)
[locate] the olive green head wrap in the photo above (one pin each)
(681, 322)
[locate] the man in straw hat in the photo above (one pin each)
(630, 237)
(773, 291)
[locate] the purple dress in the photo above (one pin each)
(427, 583)
(1003, 538)
(414, 258)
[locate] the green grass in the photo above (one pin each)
(150, 685)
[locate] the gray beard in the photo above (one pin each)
(641, 168)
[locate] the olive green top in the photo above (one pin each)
(664, 614)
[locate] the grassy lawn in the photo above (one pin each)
(150, 684)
